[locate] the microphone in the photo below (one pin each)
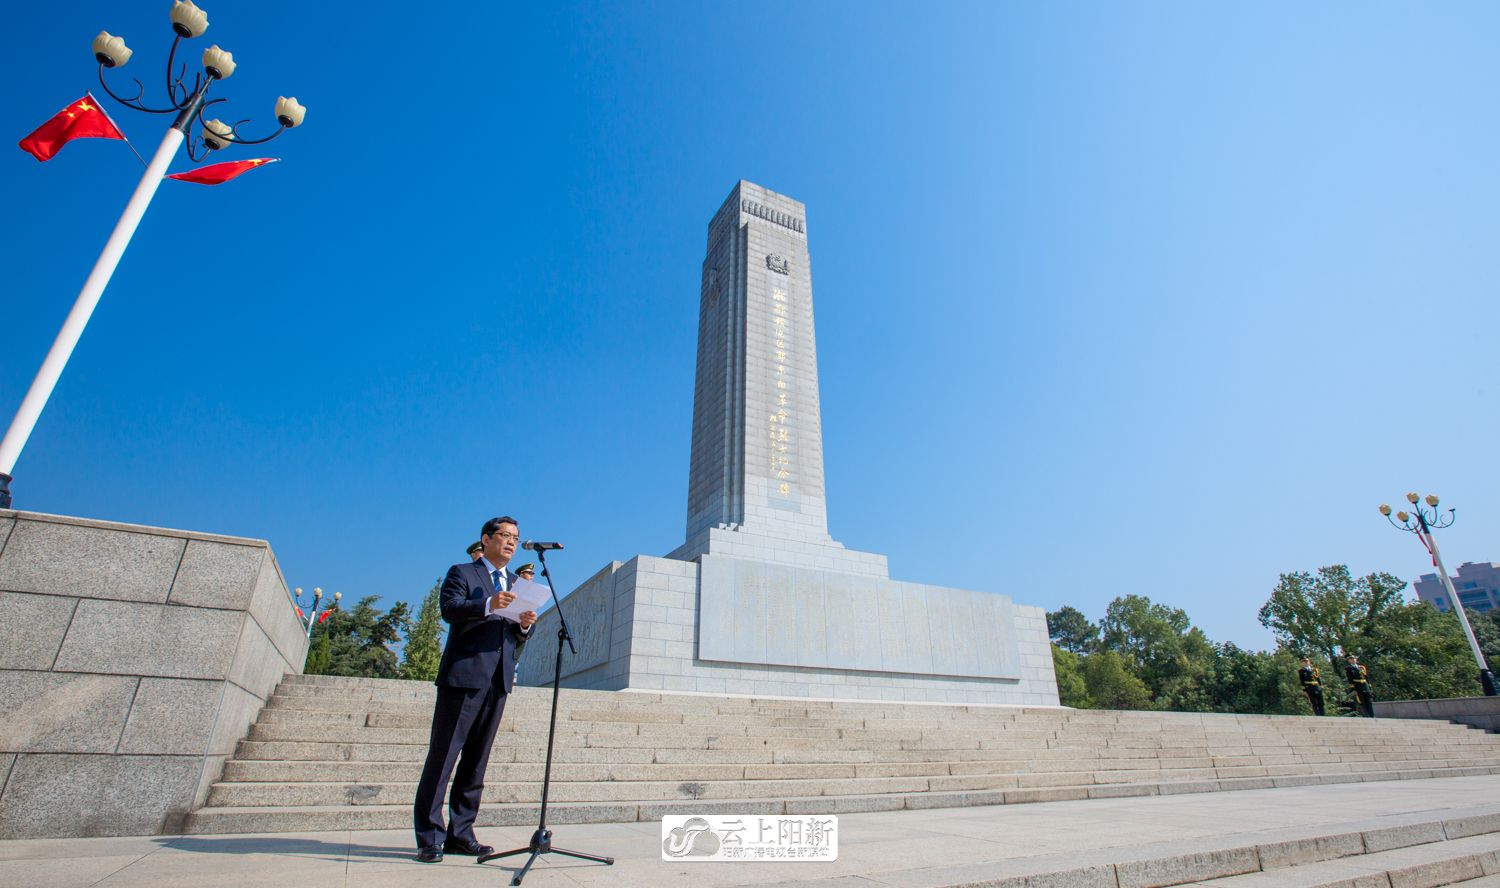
(538, 546)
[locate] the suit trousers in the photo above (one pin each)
(1314, 698)
(463, 728)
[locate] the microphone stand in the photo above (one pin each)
(541, 840)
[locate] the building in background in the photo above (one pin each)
(1477, 585)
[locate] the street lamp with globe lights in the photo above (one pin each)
(310, 618)
(188, 103)
(1422, 522)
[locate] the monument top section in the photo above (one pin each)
(756, 476)
(748, 200)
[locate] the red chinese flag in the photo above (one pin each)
(83, 119)
(219, 173)
(325, 615)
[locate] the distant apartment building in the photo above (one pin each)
(1477, 585)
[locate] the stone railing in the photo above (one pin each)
(132, 659)
(1476, 712)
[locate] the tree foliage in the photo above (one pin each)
(318, 655)
(1071, 688)
(1418, 652)
(1411, 649)
(1486, 626)
(1071, 630)
(1320, 616)
(1256, 681)
(1146, 655)
(424, 645)
(1162, 648)
(357, 641)
(1111, 684)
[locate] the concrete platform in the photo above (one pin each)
(1396, 834)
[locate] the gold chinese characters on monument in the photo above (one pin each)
(780, 438)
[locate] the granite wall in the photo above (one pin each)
(1476, 712)
(132, 659)
(649, 613)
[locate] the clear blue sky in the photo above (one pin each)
(1159, 298)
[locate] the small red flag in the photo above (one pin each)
(83, 119)
(325, 615)
(219, 173)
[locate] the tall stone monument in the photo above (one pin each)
(760, 599)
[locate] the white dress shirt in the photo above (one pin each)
(489, 600)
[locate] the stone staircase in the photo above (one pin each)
(338, 753)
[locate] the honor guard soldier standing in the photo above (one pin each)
(1359, 682)
(526, 572)
(1312, 685)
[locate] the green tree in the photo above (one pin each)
(1486, 628)
(1416, 652)
(1071, 688)
(424, 645)
(1319, 616)
(1256, 682)
(357, 640)
(318, 655)
(1110, 683)
(1071, 630)
(1161, 648)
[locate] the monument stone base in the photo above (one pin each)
(785, 631)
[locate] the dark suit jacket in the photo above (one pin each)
(479, 650)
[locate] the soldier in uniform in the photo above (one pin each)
(1312, 685)
(473, 551)
(1359, 683)
(526, 571)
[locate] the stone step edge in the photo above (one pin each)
(1298, 723)
(1434, 864)
(1000, 769)
(1223, 858)
(1344, 860)
(252, 819)
(353, 732)
(384, 690)
(294, 684)
(1267, 781)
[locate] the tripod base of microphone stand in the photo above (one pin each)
(541, 843)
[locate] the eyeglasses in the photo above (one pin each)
(506, 536)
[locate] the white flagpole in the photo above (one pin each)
(83, 309)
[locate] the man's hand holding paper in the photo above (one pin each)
(523, 596)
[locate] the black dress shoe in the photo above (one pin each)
(430, 854)
(468, 847)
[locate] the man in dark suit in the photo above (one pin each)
(473, 682)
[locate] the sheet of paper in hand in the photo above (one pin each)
(529, 597)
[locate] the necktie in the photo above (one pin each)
(499, 586)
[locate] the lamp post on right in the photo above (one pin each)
(1422, 522)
